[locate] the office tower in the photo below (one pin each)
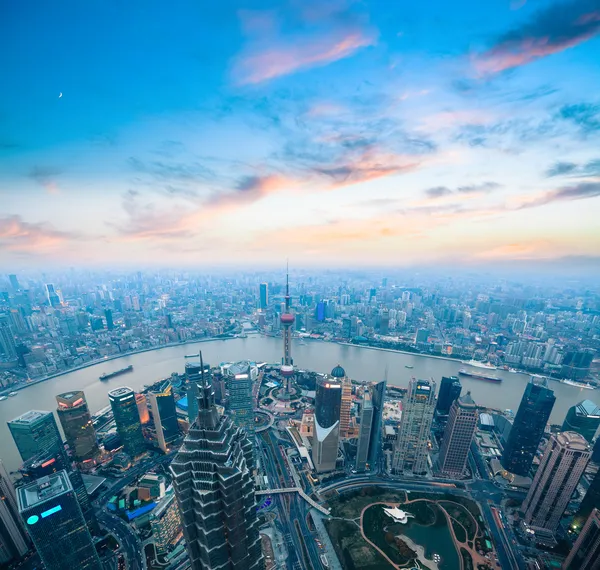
(56, 524)
(142, 405)
(287, 322)
(164, 413)
(14, 282)
(214, 486)
(458, 436)
(7, 340)
(591, 501)
(240, 407)
(328, 403)
(561, 467)
(264, 296)
(52, 295)
(110, 325)
(340, 375)
(585, 554)
(410, 453)
(127, 418)
(584, 418)
(364, 436)
(35, 432)
(450, 389)
(528, 428)
(195, 373)
(13, 539)
(576, 364)
(77, 425)
(165, 522)
(375, 445)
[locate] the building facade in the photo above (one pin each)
(562, 465)
(585, 554)
(14, 542)
(164, 413)
(410, 453)
(375, 445)
(214, 486)
(326, 435)
(35, 432)
(287, 322)
(240, 407)
(591, 501)
(458, 435)
(450, 389)
(56, 525)
(264, 296)
(165, 522)
(340, 375)
(7, 340)
(127, 419)
(528, 428)
(584, 418)
(194, 374)
(364, 436)
(76, 421)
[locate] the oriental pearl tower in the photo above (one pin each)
(287, 321)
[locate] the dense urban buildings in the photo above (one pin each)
(585, 554)
(35, 432)
(127, 418)
(13, 538)
(410, 453)
(164, 413)
(77, 425)
(584, 418)
(364, 436)
(328, 404)
(450, 389)
(528, 427)
(214, 486)
(458, 435)
(562, 465)
(55, 523)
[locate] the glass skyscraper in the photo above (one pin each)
(450, 389)
(375, 445)
(240, 407)
(127, 418)
(13, 540)
(326, 436)
(193, 377)
(364, 437)
(77, 425)
(55, 523)
(591, 501)
(35, 432)
(164, 413)
(584, 418)
(528, 428)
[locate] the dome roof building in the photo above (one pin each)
(338, 372)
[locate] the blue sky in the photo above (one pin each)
(384, 133)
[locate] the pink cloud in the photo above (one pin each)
(20, 236)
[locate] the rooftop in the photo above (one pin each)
(30, 417)
(120, 393)
(587, 408)
(43, 489)
(573, 441)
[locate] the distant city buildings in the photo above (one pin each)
(410, 453)
(528, 428)
(77, 425)
(326, 434)
(127, 419)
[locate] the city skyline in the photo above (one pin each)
(351, 132)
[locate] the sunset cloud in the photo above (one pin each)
(24, 237)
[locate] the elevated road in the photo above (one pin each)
(300, 492)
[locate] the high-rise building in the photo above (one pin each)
(410, 453)
(585, 554)
(264, 296)
(52, 295)
(340, 375)
(528, 428)
(142, 406)
(458, 436)
(561, 467)
(127, 419)
(576, 364)
(214, 486)
(55, 523)
(35, 432)
(591, 501)
(164, 413)
(364, 436)
(14, 282)
(584, 418)
(194, 373)
(450, 388)
(165, 522)
(375, 445)
(240, 407)
(287, 322)
(110, 325)
(326, 436)
(7, 339)
(13, 539)
(77, 425)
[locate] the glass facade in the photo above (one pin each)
(77, 425)
(164, 413)
(375, 445)
(127, 418)
(584, 418)
(450, 389)
(193, 377)
(35, 432)
(240, 407)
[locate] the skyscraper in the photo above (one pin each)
(164, 413)
(194, 373)
(165, 522)
(214, 486)
(584, 418)
(458, 436)
(562, 465)
(528, 427)
(13, 539)
(415, 426)
(340, 375)
(77, 425)
(375, 445)
(264, 296)
(591, 501)
(240, 407)
(127, 418)
(110, 325)
(450, 389)
(364, 436)
(14, 282)
(56, 524)
(576, 364)
(287, 322)
(585, 554)
(326, 436)
(35, 432)
(7, 339)
(52, 295)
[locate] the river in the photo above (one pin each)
(359, 363)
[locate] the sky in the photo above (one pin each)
(141, 133)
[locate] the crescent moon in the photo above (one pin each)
(60, 95)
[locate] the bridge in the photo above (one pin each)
(271, 419)
(312, 503)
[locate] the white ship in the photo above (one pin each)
(585, 385)
(478, 364)
(13, 394)
(2, 398)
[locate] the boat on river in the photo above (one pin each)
(584, 385)
(108, 375)
(479, 364)
(479, 375)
